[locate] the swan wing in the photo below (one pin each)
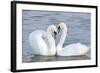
(75, 49)
(37, 43)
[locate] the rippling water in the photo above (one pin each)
(78, 31)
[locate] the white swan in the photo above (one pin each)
(43, 43)
(74, 49)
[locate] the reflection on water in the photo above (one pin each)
(55, 58)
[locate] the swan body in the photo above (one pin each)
(42, 42)
(75, 49)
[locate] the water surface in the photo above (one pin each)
(78, 31)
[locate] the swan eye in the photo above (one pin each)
(55, 32)
(58, 28)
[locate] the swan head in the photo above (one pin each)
(52, 29)
(62, 26)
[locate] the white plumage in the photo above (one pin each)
(75, 49)
(42, 42)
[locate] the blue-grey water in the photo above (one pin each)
(78, 31)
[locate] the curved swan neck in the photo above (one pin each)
(63, 37)
(51, 42)
(49, 36)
